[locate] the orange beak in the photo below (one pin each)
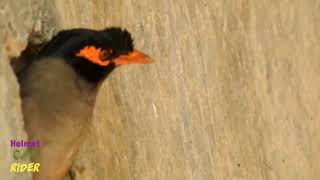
(94, 54)
(135, 57)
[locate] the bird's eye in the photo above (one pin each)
(105, 54)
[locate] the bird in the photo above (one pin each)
(59, 87)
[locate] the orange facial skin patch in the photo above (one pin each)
(93, 54)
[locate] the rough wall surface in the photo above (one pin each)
(10, 118)
(234, 92)
(13, 35)
(17, 20)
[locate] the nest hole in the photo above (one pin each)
(27, 56)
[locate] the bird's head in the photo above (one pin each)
(106, 50)
(94, 54)
(112, 46)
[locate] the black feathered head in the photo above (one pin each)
(121, 39)
(94, 54)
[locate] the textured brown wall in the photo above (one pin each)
(13, 34)
(234, 92)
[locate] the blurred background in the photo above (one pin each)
(234, 92)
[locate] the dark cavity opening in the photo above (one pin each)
(28, 55)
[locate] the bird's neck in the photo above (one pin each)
(58, 81)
